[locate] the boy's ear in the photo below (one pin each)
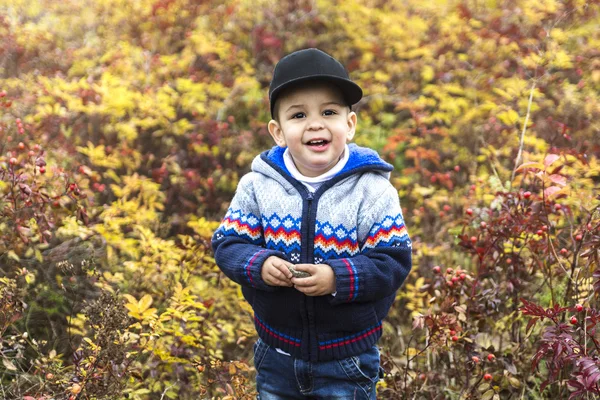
(276, 133)
(351, 120)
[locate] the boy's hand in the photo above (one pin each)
(320, 283)
(274, 272)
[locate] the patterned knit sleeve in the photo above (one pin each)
(238, 242)
(384, 260)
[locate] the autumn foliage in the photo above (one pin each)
(126, 125)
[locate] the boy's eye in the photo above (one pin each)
(329, 112)
(298, 115)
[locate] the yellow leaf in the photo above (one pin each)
(514, 382)
(133, 308)
(427, 73)
(130, 298)
(411, 351)
(145, 302)
(488, 395)
(509, 117)
(533, 165)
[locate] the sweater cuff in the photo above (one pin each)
(347, 283)
(253, 268)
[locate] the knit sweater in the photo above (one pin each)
(353, 223)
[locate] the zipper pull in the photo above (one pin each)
(310, 196)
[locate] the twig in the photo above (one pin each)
(165, 391)
(520, 153)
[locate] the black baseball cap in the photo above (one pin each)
(308, 65)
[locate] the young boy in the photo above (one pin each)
(314, 205)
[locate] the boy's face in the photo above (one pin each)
(315, 124)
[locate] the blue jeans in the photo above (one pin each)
(280, 376)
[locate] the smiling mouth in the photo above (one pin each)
(318, 142)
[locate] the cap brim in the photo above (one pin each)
(351, 91)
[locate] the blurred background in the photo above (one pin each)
(126, 125)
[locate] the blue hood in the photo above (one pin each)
(361, 159)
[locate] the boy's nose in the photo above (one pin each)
(315, 124)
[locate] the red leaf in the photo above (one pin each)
(550, 158)
(558, 179)
(551, 191)
(531, 324)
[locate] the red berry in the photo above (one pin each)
(579, 237)
(469, 211)
(540, 232)
(447, 207)
(563, 251)
(36, 147)
(454, 279)
(21, 146)
(450, 283)
(557, 206)
(437, 269)
(449, 270)
(455, 338)
(473, 239)
(441, 214)
(573, 321)
(463, 277)
(457, 168)
(487, 377)
(13, 161)
(72, 187)
(491, 357)
(31, 153)
(452, 332)
(527, 195)
(2, 94)
(579, 307)
(42, 170)
(422, 377)
(509, 261)
(475, 359)
(483, 224)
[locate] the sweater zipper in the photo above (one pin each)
(309, 198)
(310, 301)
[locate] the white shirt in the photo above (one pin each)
(313, 183)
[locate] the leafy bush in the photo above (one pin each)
(125, 127)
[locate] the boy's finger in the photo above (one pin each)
(278, 282)
(285, 271)
(310, 268)
(303, 282)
